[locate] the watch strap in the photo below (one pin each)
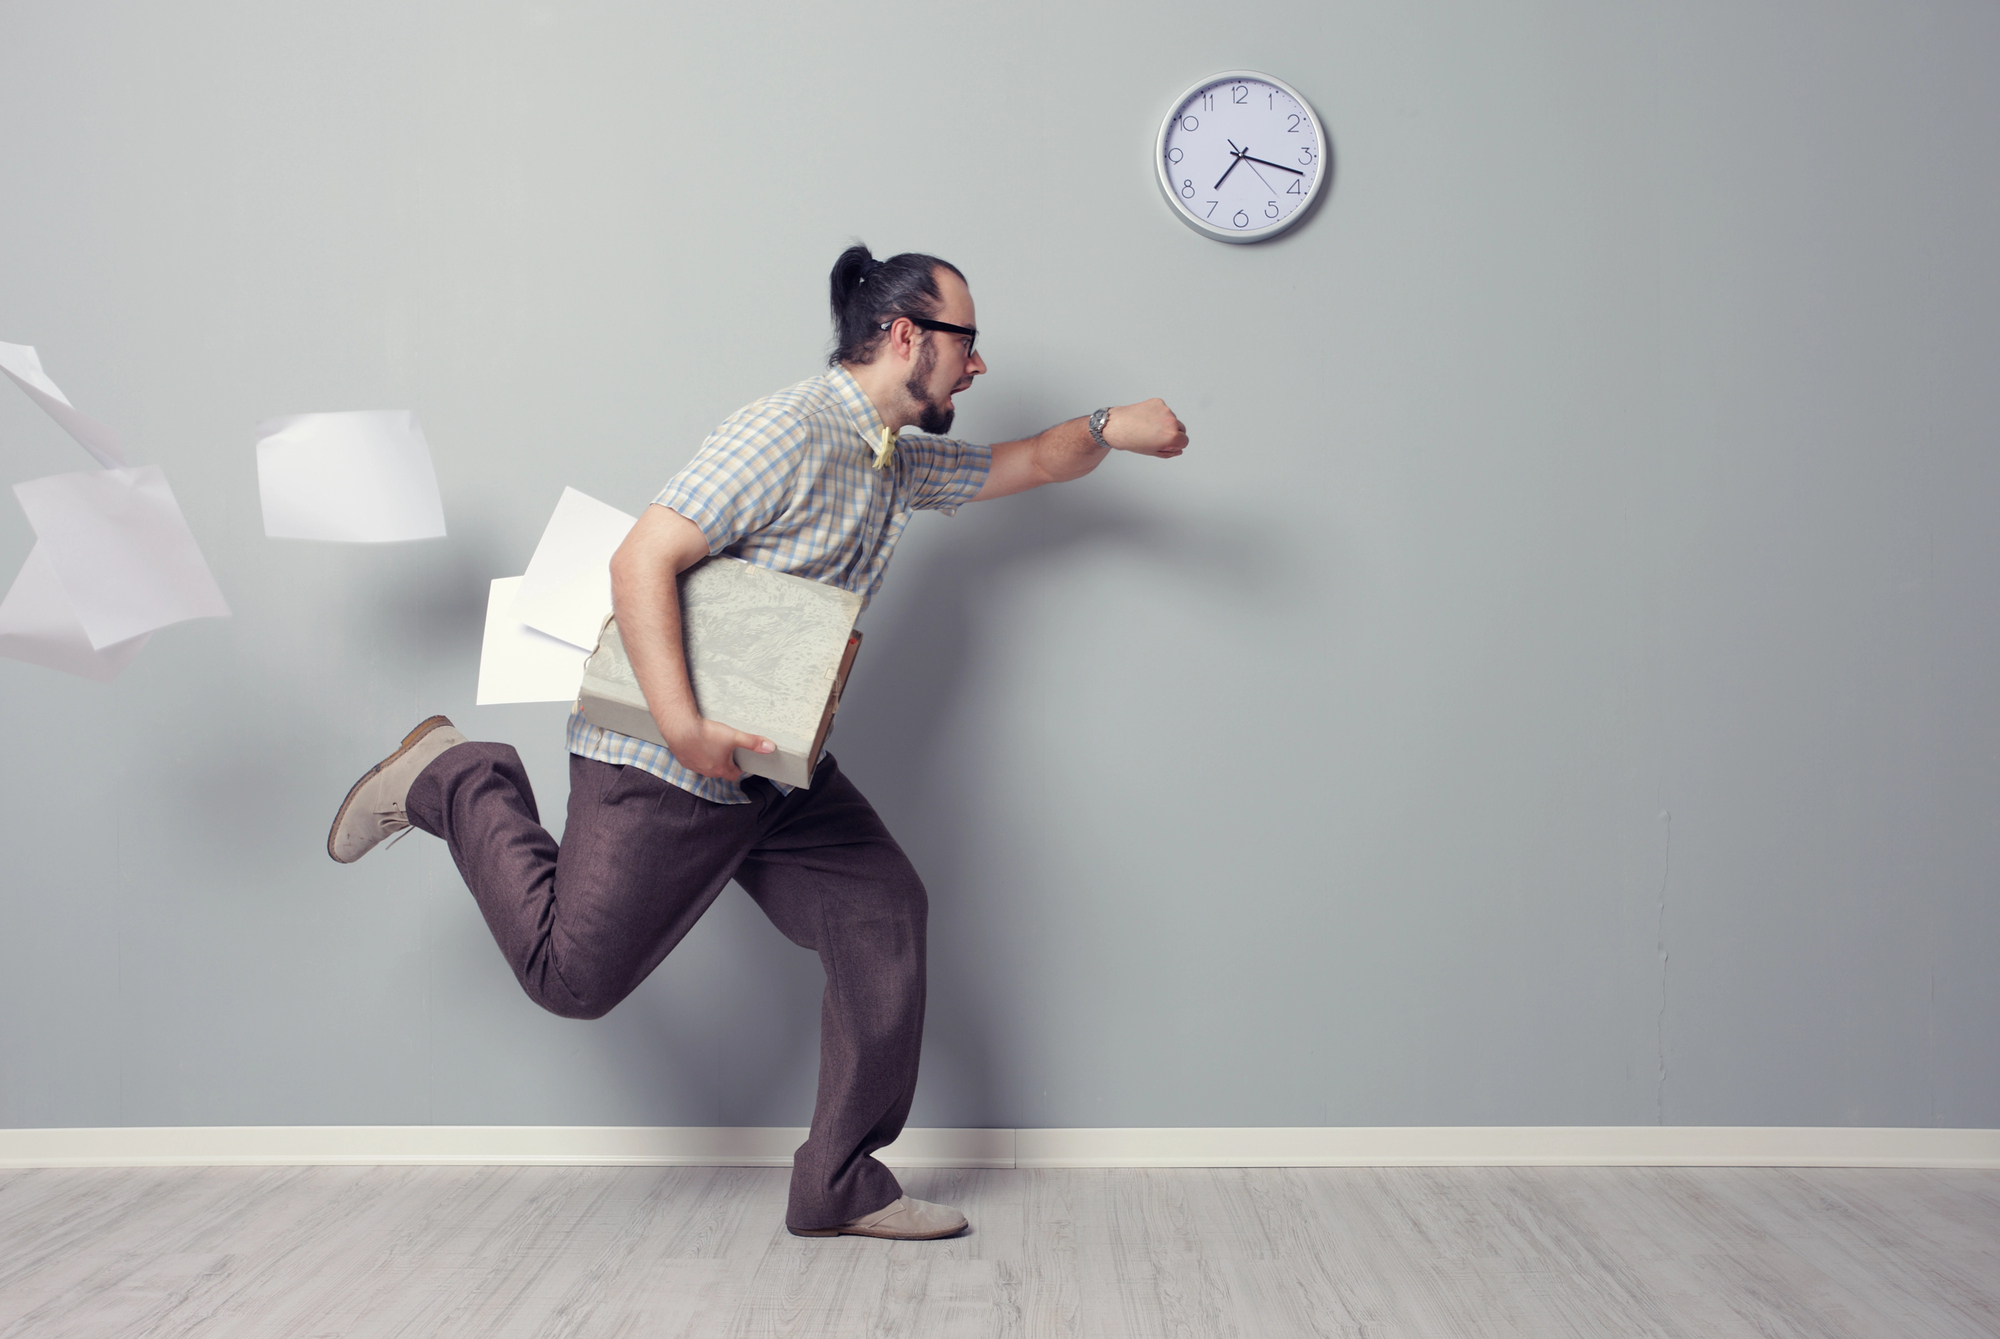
(1096, 424)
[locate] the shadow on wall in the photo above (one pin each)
(898, 745)
(325, 670)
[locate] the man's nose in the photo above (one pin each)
(977, 365)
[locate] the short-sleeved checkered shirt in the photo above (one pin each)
(790, 483)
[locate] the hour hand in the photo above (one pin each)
(1235, 157)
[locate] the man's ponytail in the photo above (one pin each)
(866, 292)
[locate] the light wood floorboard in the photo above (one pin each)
(1362, 1253)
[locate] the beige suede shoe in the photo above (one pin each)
(373, 809)
(903, 1219)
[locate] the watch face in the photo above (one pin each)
(1241, 157)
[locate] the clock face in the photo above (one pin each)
(1240, 157)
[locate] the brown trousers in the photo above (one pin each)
(639, 863)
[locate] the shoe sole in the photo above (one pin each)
(409, 742)
(882, 1236)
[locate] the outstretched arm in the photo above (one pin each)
(1066, 452)
(647, 600)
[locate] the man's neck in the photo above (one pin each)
(884, 388)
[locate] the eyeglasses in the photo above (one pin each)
(925, 323)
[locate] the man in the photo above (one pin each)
(815, 482)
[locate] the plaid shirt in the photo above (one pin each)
(790, 483)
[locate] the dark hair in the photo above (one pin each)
(867, 292)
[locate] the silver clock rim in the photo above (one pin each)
(1205, 228)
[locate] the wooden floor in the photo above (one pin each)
(597, 1252)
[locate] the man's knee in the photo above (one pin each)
(907, 894)
(590, 1001)
(585, 1010)
(905, 904)
(895, 931)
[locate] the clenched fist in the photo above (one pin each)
(1148, 428)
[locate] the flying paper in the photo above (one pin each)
(120, 551)
(38, 625)
(113, 559)
(21, 363)
(518, 664)
(566, 591)
(363, 477)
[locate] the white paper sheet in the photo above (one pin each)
(38, 625)
(566, 591)
(24, 366)
(121, 551)
(362, 478)
(518, 664)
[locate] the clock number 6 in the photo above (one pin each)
(1242, 220)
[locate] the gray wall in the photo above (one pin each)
(1557, 687)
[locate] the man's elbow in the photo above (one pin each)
(631, 560)
(639, 570)
(624, 570)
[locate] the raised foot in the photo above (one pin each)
(374, 807)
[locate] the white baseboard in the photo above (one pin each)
(472, 1145)
(1511, 1146)
(751, 1146)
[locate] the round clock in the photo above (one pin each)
(1241, 157)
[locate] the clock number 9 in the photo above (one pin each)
(1174, 155)
(1187, 190)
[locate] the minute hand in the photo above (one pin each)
(1280, 166)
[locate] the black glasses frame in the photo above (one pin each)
(925, 323)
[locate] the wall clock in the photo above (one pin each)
(1241, 157)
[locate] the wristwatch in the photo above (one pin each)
(1097, 422)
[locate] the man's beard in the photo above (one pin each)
(935, 418)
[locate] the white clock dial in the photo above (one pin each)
(1241, 157)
